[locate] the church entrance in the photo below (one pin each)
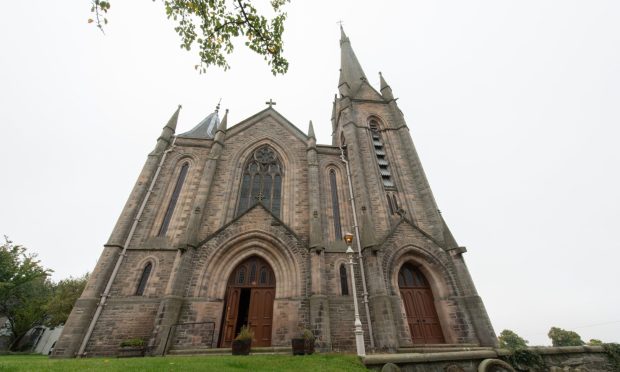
(249, 301)
(419, 304)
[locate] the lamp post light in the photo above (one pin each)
(359, 333)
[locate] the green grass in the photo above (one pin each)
(256, 363)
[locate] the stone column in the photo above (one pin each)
(319, 303)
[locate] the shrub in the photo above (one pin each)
(307, 334)
(510, 340)
(525, 360)
(561, 337)
(245, 333)
(133, 342)
(613, 352)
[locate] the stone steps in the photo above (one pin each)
(272, 350)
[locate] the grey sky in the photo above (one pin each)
(513, 106)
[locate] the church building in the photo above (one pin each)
(233, 225)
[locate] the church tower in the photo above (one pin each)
(243, 225)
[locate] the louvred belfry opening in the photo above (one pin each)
(249, 301)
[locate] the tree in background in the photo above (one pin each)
(595, 342)
(561, 337)
(211, 25)
(510, 340)
(63, 297)
(24, 289)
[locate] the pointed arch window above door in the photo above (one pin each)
(262, 181)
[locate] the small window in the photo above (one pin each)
(253, 273)
(241, 276)
(344, 283)
(143, 279)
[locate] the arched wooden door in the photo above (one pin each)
(419, 304)
(249, 301)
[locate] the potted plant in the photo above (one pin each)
(303, 343)
(242, 344)
(133, 347)
(308, 341)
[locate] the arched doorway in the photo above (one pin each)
(249, 301)
(419, 304)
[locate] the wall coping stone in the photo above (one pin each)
(473, 354)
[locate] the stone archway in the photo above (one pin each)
(250, 297)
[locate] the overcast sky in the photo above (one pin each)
(513, 106)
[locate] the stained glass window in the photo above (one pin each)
(262, 181)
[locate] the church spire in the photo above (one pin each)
(351, 73)
(206, 128)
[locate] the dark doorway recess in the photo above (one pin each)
(249, 301)
(419, 304)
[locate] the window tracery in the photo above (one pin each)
(262, 181)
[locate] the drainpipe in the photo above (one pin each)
(359, 248)
(106, 292)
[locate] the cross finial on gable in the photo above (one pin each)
(270, 103)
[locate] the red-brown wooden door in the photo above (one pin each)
(230, 317)
(249, 301)
(419, 304)
(261, 315)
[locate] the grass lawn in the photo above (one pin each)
(317, 362)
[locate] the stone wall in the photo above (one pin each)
(557, 359)
(121, 320)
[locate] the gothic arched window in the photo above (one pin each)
(262, 181)
(344, 283)
(143, 279)
(173, 200)
(335, 205)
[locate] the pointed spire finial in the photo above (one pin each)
(311, 130)
(217, 108)
(343, 36)
(172, 123)
(385, 89)
(224, 122)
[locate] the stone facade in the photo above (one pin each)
(165, 273)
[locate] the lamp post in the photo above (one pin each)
(359, 333)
